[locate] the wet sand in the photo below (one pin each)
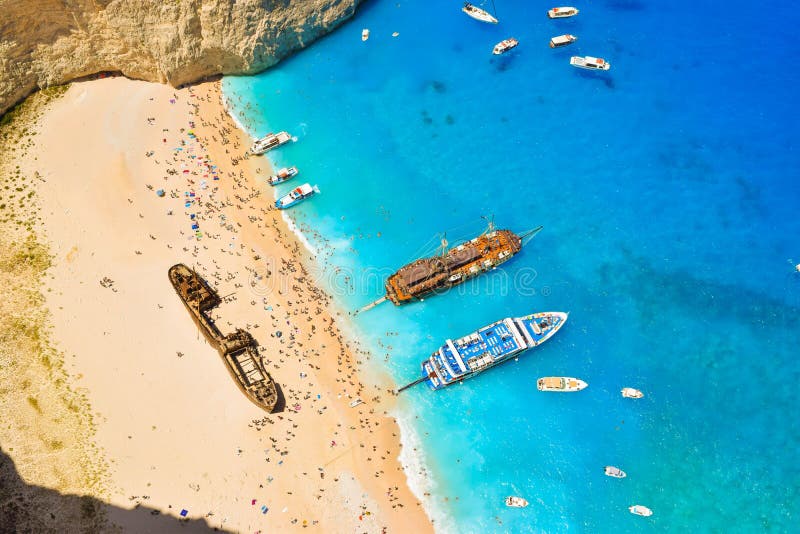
(175, 430)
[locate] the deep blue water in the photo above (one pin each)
(669, 190)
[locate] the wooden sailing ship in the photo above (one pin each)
(238, 350)
(453, 266)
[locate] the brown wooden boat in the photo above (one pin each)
(452, 267)
(238, 350)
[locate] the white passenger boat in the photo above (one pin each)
(589, 62)
(364, 34)
(638, 509)
(504, 46)
(501, 341)
(478, 13)
(631, 393)
(282, 175)
(562, 40)
(562, 12)
(270, 141)
(296, 196)
(565, 384)
(516, 502)
(614, 472)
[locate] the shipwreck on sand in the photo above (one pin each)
(238, 350)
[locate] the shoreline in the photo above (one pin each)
(180, 141)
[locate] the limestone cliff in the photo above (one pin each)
(48, 42)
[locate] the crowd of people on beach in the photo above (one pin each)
(229, 232)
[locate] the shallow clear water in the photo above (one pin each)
(669, 192)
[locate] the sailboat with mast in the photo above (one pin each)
(453, 266)
(479, 14)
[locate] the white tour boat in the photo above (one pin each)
(282, 175)
(270, 141)
(296, 196)
(614, 472)
(478, 13)
(504, 46)
(562, 40)
(560, 384)
(562, 12)
(364, 34)
(631, 393)
(589, 62)
(516, 502)
(638, 509)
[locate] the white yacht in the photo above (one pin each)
(562, 40)
(631, 393)
(478, 13)
(638, 509)
(565, 384)
(364, 34)
(562, 12)
(270, 141)
(282, 175)
(504, 46)
(614, 472)
(516, 502)
(296, 196)
(589, 62)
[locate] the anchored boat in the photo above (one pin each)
(589, 62)
(516, 502)
(638, 509)
(504, 46)
(454, 266)
(296, 196)
(563, 384)
(631, 393)
(614, 472)
(282, 175)
(496, 343)
(478, 13)
(562, 12)
(562, 40)
(270, 141)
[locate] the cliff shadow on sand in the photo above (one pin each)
(29, 508)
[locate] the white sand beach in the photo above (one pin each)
(177, 433)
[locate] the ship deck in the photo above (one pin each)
(477, 350)
(457, 359)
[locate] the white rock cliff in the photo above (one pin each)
(49, 42)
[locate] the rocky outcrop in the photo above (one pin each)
(49, 42)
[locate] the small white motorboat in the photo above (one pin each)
(270, 141)
(565, 384)
(797, 267)
(631, 393)
(504, 46)
(562, 12)
(589, 62)
(296, 196)
(638, 509)
(282, 175)
(614, 472)
(478, 13)
(562, 40)
(364, 34)
(516, 502)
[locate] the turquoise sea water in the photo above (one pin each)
(669, 190)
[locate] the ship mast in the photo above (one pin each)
(489, 224)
